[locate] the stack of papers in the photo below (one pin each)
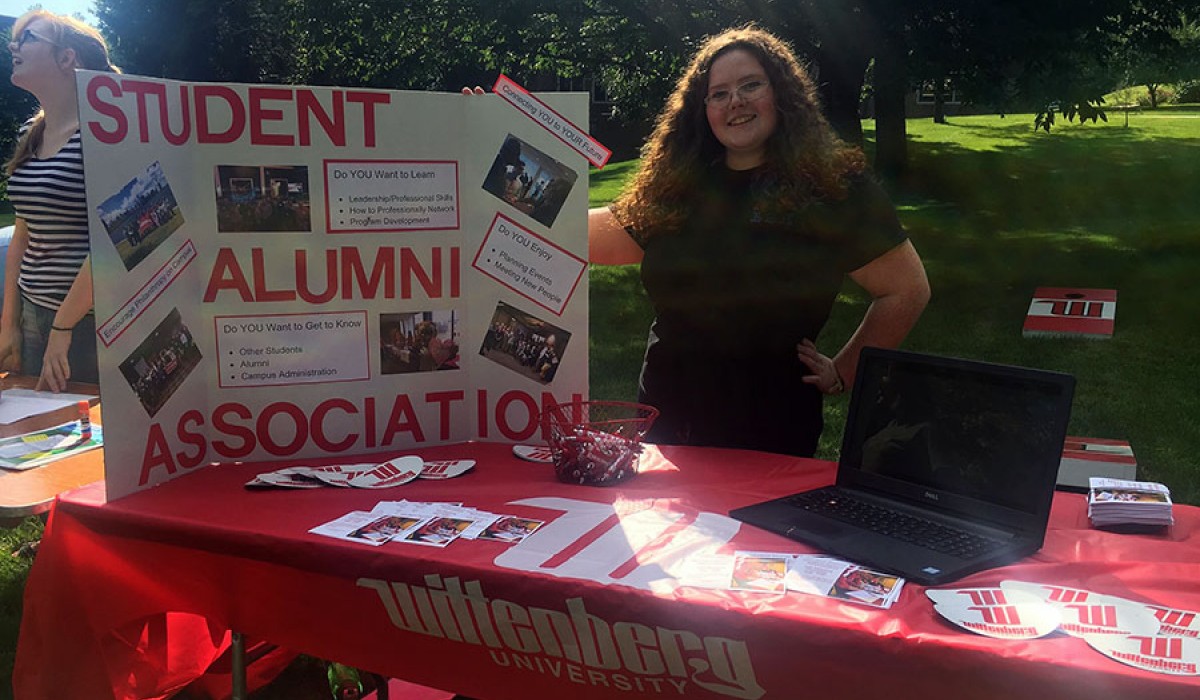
(19, 404)
(44, 446)
(423, 523)
(775, 572)
(1120, 502)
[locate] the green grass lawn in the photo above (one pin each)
(997, 210)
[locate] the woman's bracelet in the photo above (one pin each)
(58, 328)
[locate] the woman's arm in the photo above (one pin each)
(10, 318)
(608, 241)
(55, 368)
(899, 292)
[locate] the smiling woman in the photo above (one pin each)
(47, 328)
(746, 216)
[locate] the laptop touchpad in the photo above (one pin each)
(820, 527)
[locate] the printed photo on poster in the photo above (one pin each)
(422, 341)
(262, 199)
(141, 216)
(161, 362)
(524, 343)
(529, 180)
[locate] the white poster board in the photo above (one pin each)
(287, 272)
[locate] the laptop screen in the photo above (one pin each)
(939, 426)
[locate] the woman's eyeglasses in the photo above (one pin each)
(28, 35)
(747, 91)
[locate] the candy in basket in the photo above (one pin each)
(597, 442)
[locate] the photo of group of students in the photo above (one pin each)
(529, 180)
(161, 362)
(422, 341)
(524, 343)
(142, 215)
(262, 199)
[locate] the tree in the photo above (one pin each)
(1008, 53)
(214, 40)
(16, 106)
(1158, 44)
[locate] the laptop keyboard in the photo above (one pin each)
(901, 526)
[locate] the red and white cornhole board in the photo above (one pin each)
(1084, 457)
(1077, 313)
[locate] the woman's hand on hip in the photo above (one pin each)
(825, 374)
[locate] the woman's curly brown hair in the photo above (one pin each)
(806, 158)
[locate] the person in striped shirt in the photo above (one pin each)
(47, 328)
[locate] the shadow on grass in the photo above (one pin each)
(997, 211)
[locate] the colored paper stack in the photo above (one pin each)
(1117, 502)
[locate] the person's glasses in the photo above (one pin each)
(27, 35)
(747, 91)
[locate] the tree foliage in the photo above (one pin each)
(1157, 43)
(1011, 54)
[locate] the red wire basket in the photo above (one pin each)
(597, 442)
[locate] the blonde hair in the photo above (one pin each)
(91, 53)
(805, 156)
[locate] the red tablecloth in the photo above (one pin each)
(127, 598)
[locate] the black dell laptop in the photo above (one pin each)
(947, 467)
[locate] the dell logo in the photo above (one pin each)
(931, 495)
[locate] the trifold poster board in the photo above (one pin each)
(285, 272)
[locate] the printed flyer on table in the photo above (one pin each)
(294, 272)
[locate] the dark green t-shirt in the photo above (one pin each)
(734, 291)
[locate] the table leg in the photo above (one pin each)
(238, 651)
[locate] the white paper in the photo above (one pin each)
(834, 578)
(18, 404)
(707, 571)
(366, 528)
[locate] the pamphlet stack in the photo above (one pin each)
(1120, 502)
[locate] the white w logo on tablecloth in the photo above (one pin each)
(641, 545)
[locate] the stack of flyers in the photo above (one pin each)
(34, 449)
(1120, 502)
(773, 572)
(764, 572)
(510, 529)
(393, 472)
(820, 575)
(429, 524)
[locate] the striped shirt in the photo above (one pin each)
(48, 195)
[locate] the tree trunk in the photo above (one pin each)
(1152, 88)
(891, 87)
(840, 82)
(939, 102)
